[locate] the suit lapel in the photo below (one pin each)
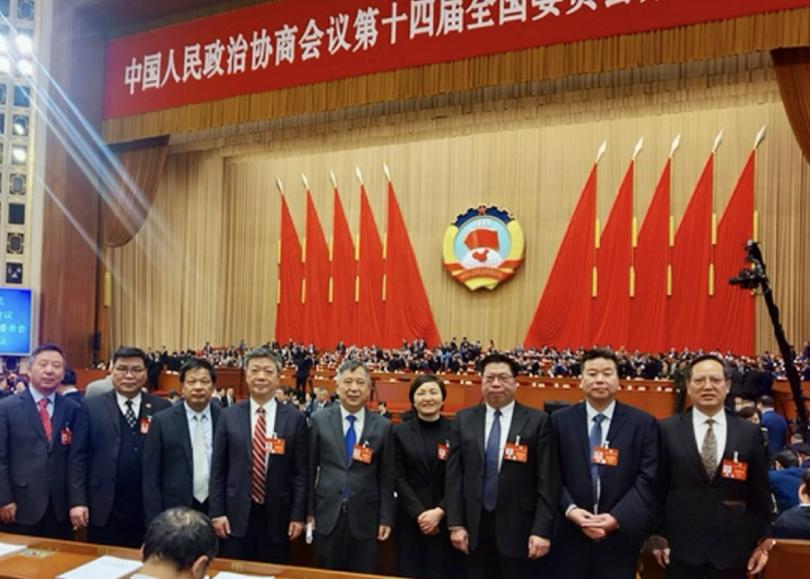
(30, 408)
(519, 417)
(281, 421)
(243, 408)
(479, 419)
(582, 431)
(113, 411)
(619, 419)
(687, 431)
(336, 425)
(181, 424)
(58, 417)
(369, 425)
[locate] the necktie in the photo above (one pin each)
(595, 440)
(258, 469)
(351, 439)
(491, 464)
(200, 459)
(130, 415)
(708, 452)
(46, 420)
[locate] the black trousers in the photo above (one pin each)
(256, 544)
(611, 558)
(487, 562)
(681, 571)
(119, 531)
(47, 526)
(428, 556)
(342, 552)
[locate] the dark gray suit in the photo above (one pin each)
(346, 528)
(34, 470)
(168, 466)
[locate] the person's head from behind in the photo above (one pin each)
(785, 459)
(804, 489)
(179, 540)
(750, 413)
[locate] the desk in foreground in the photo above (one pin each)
(47, 558)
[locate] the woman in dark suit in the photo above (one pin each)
(421, 443)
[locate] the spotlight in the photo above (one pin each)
(24, 44)
(19, 155)
(5, 65)
(19, 129)
(24, 67)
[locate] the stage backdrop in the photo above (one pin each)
(204, 267)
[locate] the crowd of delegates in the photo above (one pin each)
(502, 490)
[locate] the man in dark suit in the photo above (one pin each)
(713, 484)
(502, 479)
(351, 473)
(608, 460)
(110, 449)
(775, 423)
(259, 469)
(795, 523)
(177, 450)
(36, 445)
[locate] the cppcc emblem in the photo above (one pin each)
(483, 247)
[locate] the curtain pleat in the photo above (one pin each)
(792, 66)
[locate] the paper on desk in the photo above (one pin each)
(105, 567)
(8, 548)
(229, 575)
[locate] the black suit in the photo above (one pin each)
(168, 461)
(285, 483)
(627, 491)
(33, 469)
(346, 526)
(109, 466)
(528, 493)
(712, 524)
(793, 524)
(420, 487)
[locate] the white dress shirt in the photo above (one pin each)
(136, 403)
(269, 417)
(37, 396)
(506, 423)
(720, 428)
(360, 420)
(591, 412)
(208, 430)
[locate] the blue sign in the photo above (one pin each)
(15, 321)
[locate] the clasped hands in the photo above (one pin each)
(595, 527)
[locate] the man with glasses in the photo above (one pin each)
(109, 459)
(177, 451)
(502, 484)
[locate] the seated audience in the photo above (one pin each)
(785, 477)
(795, 523)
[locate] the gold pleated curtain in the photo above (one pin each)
(127, 206)
(792, 66)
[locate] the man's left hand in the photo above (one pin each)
(295, 530)
(383, 532)
(538, 546)
(759, 558)
(606, 522)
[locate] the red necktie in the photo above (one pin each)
(258, 468)
(46, 420)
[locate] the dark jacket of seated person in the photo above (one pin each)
(795, 523)
(784, 478)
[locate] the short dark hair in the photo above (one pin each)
(596, 353)
(351, 366)
(180, 536)
(747, 412)
(498, 358)
(786, 458)
(130, 352)
(262, 352)
(766, 401)
(193, 364)
(48, 347)
(702, 358)
(426, 379)
(69, 379)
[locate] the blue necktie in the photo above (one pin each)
(351, 439)
(596, 441)
(491, 464)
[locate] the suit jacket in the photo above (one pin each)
(627, 491)
(286, 478)
(32, 468)
(420, 486)
(717, 521)
(168, 466)
(785, 485)
(371, 486)
(528, 493)
(777, 430)
(793, 524)
(99, 443)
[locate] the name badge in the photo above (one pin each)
(275, 445)
(605, 456)
(516, 452)
(145, 422)
(362, 453)
(442, 451)
(734, 469)
(65, 436)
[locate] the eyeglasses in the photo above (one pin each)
(134, 370)
(502, 378)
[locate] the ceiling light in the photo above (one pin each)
(19, 155)
(24, 44)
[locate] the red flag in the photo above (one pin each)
(343, 272)
(289, 309)
(316, 275)
(648, 308)
(731, 317)
(562, 318)
(407, 310)
(610, 319)
(691, 256)
(370, 269)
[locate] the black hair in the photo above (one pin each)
(351, 366)
(262, 352)
(48, 347)
(596, 353)
(766, 401)
(193, 364)
(426, 379)
(130, 352)
(498, 358)
(702, 358)
(786, 458)
(180, 536)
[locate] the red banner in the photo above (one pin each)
(292, 43)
